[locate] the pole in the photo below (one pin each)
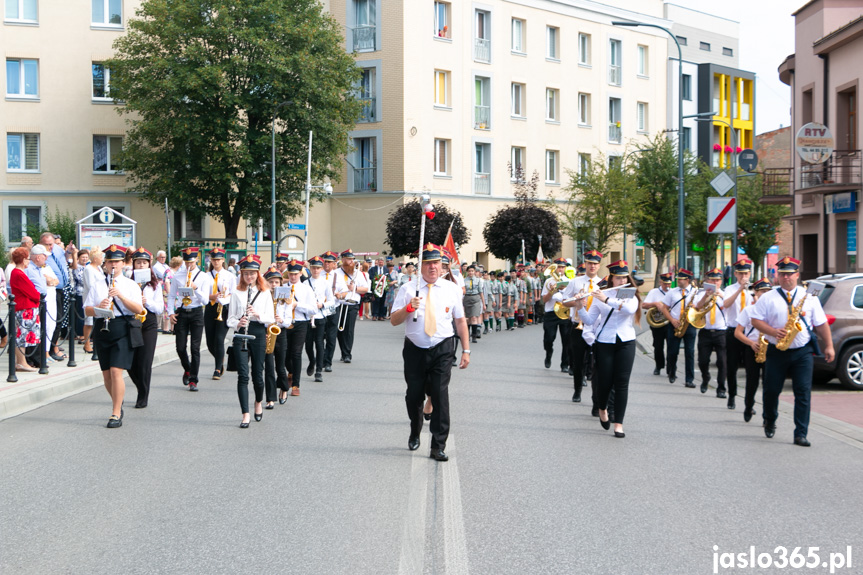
(272, 196)
(168, 228)
(420, 253)
(10, 348)
(73, 312)
(734, 167)
(308, 196)
(43, 336)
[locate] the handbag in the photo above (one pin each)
(232, 360)
(136, 334)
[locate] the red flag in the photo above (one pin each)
(449, 245)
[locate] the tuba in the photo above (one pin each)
(655, 318)
(792, 326)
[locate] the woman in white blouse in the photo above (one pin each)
(613, 322)
(151, 297)
(251, 311)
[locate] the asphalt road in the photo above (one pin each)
(325, 484)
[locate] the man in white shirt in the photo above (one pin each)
(339, 289)
(580, 356)
(325, 302)
(770, 316)
(357, 286)
(711, 338)
(655, 296)
(429, 346)
(551, 324)
(674, 307)
(735, 300)
(188, 317)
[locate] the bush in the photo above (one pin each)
(62, 225)
(4, 255)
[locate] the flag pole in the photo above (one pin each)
(424, 201)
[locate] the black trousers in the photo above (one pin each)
(379, 306)
(346, 337)
(79, 315)
(613, 369)
(190, 322)
(331, 331)
(688, 340)
(215, 332)
(734, 354)
(538, 313)
(550, 328)
(580, 360)
(710, 340)
(315, 344)
(278, 357)
(659, 335)
(798, 364)
(142, 363)
(255, 354)
(58, 331)
(754, 374)
(296, 339)
(427, 372)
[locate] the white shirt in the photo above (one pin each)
(159, 269)
(447, 301)
(304, 295)
(743, 320)
(745, 298)
(225, 282)
(200, 296)
(323, 293)
(673, 300)
(719, 316)
(581, 284)
(772, 308)
(556, 296)
(611, 319)
(655, 295)
(262, 307)
(358, 278)
(153, 299)
(99, 291)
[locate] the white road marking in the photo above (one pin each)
(455, 542)
(412, 555)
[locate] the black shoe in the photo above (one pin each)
(703, 387)
(413, 443)
(594, 412)
(114, 422)
(769, 430)
(690, 384)
(318, 377)
(619, 434)
(283, 400)
(347, 360)
(244, 425)
(217, 374)
(605, 424)
(569, 371)
(259, 416)
(732, 404)
(485, 331)
(311, 369)
(438, 455)
(57, 357)
(328, 369)
(576, 397)
(193, 386)
(141, 403)
(801, 441)
(656, 371)
(427, 416)
(186, 377)
(721, 394)
(564, 369)
(583, 382)
(547, 361)
(671, 379)
(270, 406)
(747, 415)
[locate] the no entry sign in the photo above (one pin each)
(721, 215)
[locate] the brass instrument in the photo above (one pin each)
(696, 317)
(560, 310)
(186, 299)
(656, 318)
(143, 315)
(218, 304)
(761, 354)
(684, 320)
(792, 326)
(273, 332)
(289, 302)
(111, 306)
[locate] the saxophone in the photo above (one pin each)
(684, 320)
(186, 299)
(761, 354)
(272, 333)
(696, 317)
(792, 326)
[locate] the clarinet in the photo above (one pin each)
(110, 285)
(245, 337)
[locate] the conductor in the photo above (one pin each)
(429, 346)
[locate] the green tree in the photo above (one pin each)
(596, 208)
(758, 224)
(526, 220)
(403, 227)
(201, 82)
(61, 224)
(698, 189)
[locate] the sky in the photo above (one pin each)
(766, 38)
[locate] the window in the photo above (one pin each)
(614, 129)
(187, 226)
(682, 40)
(518, 107)
(552, 43)
(517, 164)
(642, 60)
(552, 99)
(727, 52)
(441, 157)
(22, 152)
(365, 31)
(482, 169)
(23, 219)
(584, 109)
(704, 46)
(518, 35)
(366, 95)
(22, 11)
(641, 116)
(583, 163)
(614, 57)
(550, 167)
(101, 82)
(482, 99)
(107, 12)
(686, 138)
(686, 87)
(584, 49)
(441, 88)
(22, 78)
(441, 20)
(365, 165)
(482, 41)
(106, 149)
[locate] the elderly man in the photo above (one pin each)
(56, 260)
(38, 257)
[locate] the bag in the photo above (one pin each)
(136, 334)
(232, 360)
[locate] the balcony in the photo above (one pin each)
(776, 186)
(367, 114)
(482, 50)
(364, 38)
(364, 179)
(482, 117)
(614, 75)
(615, 133)
(482, 184)
(841, 171)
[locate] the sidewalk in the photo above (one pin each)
(33, 390)
(834, 411)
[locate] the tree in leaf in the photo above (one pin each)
(526, 220)
(698, 190)
(403, 227)
(201, 82)
(757, 224)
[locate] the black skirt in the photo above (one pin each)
(113, 346)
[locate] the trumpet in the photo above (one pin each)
(111, 306)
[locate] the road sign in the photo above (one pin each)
(748, 160)
(106, 216)
(722, 183)
(721, 215)
(296, 226)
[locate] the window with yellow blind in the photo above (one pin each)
(441, 88)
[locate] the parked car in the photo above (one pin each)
(842, 300)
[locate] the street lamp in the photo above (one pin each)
(328, 188)
(273, 236)
(681, 233)
(734, 177)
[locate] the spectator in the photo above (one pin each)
(26, 308)
(27, 242)
(232, 265)
(92, 274)
(78, 279)
(56, 262)
(173, 268)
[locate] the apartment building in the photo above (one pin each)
(455, 91)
